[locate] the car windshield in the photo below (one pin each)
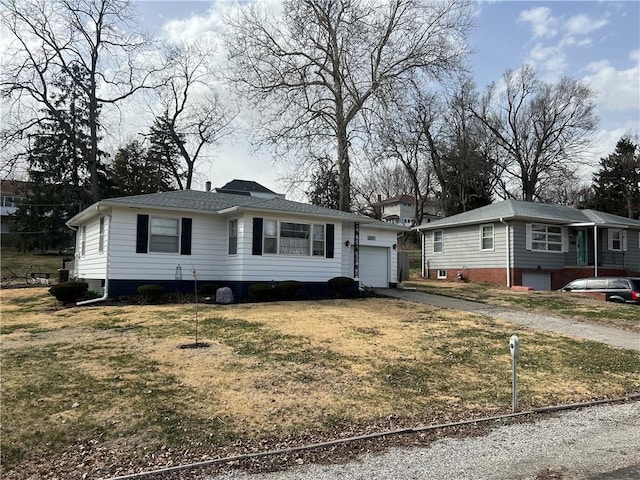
(577, 285)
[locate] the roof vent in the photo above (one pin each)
(207, 186)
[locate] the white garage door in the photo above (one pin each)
(374, 266)
(537, 281)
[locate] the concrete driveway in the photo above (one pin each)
(584, 330)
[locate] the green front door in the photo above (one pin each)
(582, 247)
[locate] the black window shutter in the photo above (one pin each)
(330, 239)
(142, 234)
(257, 236)
(185, 237)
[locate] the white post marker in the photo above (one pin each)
(514, 347)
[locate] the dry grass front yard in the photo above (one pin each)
(106, 390)
(575, 306)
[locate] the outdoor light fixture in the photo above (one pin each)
(395, 245)
(347, 243)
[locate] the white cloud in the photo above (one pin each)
(550, 62)
(541, 22)
(583, 24)
(618, 90)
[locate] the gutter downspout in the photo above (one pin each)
(595, 250)
(423, 259)
(105, 295)
(508, 235)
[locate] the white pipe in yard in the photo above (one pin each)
(404, 431)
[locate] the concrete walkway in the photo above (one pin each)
(587, 331)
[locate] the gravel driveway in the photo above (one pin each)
(596, 443)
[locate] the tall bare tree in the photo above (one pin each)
(317, 69)
(193, 114)
(541, 129)
(402, 137)
(50, 38)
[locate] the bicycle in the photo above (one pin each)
(30, 277)
(9, 278)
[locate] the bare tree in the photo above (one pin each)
(541, 129)
(193, 115)
(317, 70)
(50, 38)
(403, 138)
(375, 180)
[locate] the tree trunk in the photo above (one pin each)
(344, 181)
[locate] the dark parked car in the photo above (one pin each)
(616, 289)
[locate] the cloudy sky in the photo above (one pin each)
(597, 41)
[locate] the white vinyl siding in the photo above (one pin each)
(486, 237)
(92, 263)
(209, 253)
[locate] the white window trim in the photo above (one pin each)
(83, 241)
(179, 235)
(441, 276)
(441, 242)
(623, 239)
(310, 240)
(493, 237)
(229, 237)
(101, 227)
(564, 238)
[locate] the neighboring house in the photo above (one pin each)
(401, 210)
(530, 244)
(229, 239)
(12, 192)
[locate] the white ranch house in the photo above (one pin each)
(234, 240)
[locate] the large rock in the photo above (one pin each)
(224, 295)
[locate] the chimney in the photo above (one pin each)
(207, 186)
(379, 198)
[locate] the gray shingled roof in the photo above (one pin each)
(195, 200)
(519, 210)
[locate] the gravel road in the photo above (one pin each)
(595, 443)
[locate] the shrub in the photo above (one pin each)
(151, 293)
(342, 287)
(288, 290)
(69, 292)
(208, 289)
(261, 292)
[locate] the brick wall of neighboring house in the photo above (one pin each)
(498, 276)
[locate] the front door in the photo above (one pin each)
(581, 246)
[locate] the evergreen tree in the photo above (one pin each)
(163, 155)
(135, 172)
(617, 183)
(57, 169)
(324, 189)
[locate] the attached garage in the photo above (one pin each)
(536, 280)
(374, 267)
